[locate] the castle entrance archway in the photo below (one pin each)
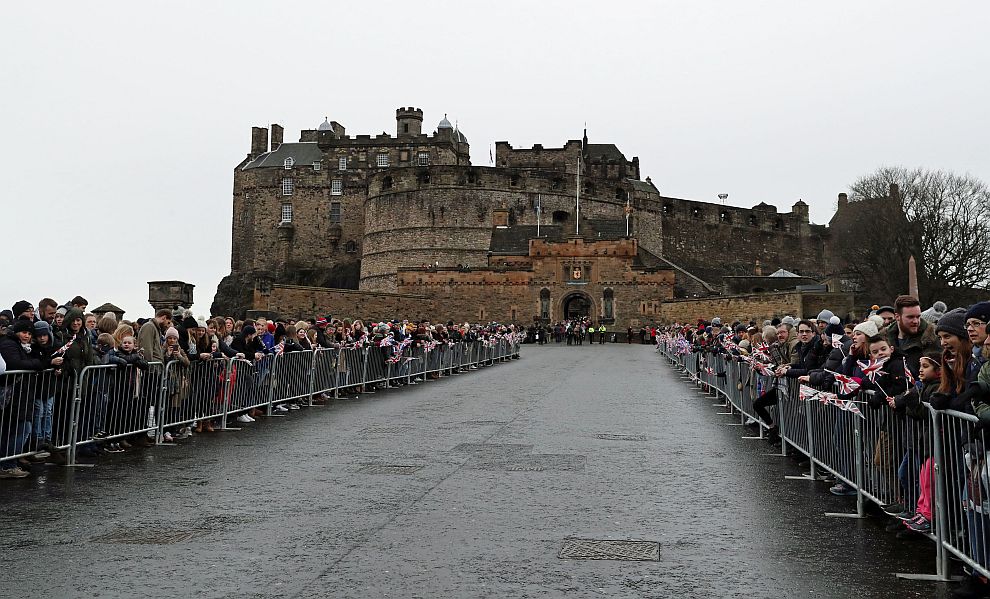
(576, 305)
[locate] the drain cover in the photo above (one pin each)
(388, 469)
(637, 551)
(147, 536)
(386, 430)
(613, 437)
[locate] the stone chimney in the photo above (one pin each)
(843, 200)
(277, 136)
(259, 141)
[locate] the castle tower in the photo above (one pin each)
(408, 121)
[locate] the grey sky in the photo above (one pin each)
(123, 121)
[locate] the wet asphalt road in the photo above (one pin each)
(463, 487)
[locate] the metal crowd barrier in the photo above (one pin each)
(931, 462)
(49, 410)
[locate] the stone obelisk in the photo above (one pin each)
(912, 277)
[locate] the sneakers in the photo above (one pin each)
(100, 435)
(184, 433)
(280, 408)
(167, 437)
(842, 489)
(751, 421)
(919, 524)
(294, 406)
(15, 472)
(892, 509)
(244, 418)
(906, 515)
(113, 448)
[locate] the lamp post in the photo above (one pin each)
(723, 197)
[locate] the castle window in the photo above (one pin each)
(668, 209)
(342, 163)
(423, 159)
(337, 187)
(382, 160)
(608, 302)
(286, 213)
(696, 213)
(725, 217)
(559, 216)
(405, 127)
(514, 180)
(404, 156)
(545, 303)
(335, 212)
(472, 177)
(424, 178)
(387, 183)
(288, 163)
(556, 183)
(287, 186)
(350, 247)
(778, 224)
(752, 220)
(317, 165)
(620, 194)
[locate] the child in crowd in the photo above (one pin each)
(912, 403)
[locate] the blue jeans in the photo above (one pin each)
(42, 424)
(977, 528)
(908, 473)
(12, 439)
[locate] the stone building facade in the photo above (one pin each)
(409, 214)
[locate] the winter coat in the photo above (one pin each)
(810, 356)
(150, 340)
(913, 347)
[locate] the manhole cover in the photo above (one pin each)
(147, 536)
(613, 437)
(388, 469)
(637, 551)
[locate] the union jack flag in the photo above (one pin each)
(710, 370)
(850, 406)
(847, 384)
(837, 341)
(908, 374)
(871, 368)
(280, 348)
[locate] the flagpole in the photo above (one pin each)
(539, 211)
(577, 216)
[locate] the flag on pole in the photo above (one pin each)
(871, 368)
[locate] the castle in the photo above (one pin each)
(360, 225)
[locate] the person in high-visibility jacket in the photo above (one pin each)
(601, 334)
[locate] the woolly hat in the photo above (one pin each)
(775, 322)
(271, 327)
(62, 310)
(201, 323)
(935, 312)
(42, 328)
(834, 328)
(825, 316)
(979, 311)
(189, 323)
(885, 309)
(868, 328)
(769, 333)
(321, 323)
(248, 330)
(172, 332)
(835, 320)
(22, 325)
(20, 307)
(788, 320)
(716, 321)
(953, 323)
(877, 320)
(744, 344)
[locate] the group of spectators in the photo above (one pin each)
(59, 341)
(576, 330)
(906, 359)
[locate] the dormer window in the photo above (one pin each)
(289, 162)
(317, 165)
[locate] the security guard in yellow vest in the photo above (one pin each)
(601, 334)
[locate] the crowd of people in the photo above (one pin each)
(905, 359)
(60, 340)
(575, 331)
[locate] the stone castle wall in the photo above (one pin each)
(757, 307)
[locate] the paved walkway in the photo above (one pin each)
(465, 487)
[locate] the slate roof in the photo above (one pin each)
(642, 186)
(303, 153)
(606, 151)
(515, 240)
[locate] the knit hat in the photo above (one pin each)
(877, 320)
(825, 316)
(716, 321)
(935, 312)
(868, 328)
(979, 311)
(271, 327)
(189, 323)
(42, 328)
(201, 323)
(22, 325)
(775, 322)
(20, 307)
(834, 320)
(834, 328)
(171, 332)
(788, 320)
(248, 330)
(62, 310)
(769, 333)
(953, 323)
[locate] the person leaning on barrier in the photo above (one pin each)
(811, 353)
(957, 363)
(248, 343)
(17, 414)
(152, 334)
(821, 377)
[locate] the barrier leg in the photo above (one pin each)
(860, 499)
(227, 392)
(812, 475)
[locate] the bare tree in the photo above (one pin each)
(949, 232)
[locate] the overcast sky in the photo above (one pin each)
(122, 122)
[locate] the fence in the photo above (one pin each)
(52, 410)
(927, 460)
